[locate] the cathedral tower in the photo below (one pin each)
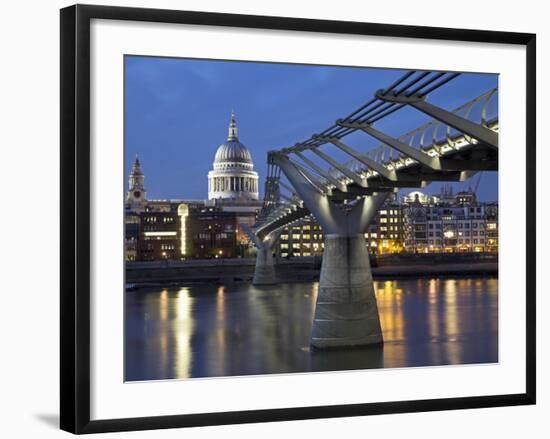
(136, 196)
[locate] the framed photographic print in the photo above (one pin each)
(268, 218)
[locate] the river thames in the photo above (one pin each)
(239, 329)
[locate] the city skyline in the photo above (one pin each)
(166, 101)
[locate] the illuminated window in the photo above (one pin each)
(159, 234)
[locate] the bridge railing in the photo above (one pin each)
(435, 137)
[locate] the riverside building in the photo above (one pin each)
(458, 225)
(418, 223)
(384, 235)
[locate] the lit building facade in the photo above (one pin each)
(159, 235)
(386, 232)
(301, 240)
(384, 235)
(418, 223)
(213, 234)
(461, 226)
(132, 221)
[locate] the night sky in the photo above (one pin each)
(177, 112)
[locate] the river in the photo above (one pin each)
(238, 329)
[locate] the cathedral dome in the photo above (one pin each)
(233, 176)
(232, 151)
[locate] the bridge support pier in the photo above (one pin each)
(264, 272)
(346, 314)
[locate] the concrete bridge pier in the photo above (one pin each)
(264, 272)
(346, 314)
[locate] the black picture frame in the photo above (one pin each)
(75, 217)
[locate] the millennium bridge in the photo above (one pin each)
(311, 179)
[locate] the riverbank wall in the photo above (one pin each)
(227, 271)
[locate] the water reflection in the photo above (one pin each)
(239, 329)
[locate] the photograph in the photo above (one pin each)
(295, 218)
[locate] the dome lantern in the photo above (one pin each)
(232, 128)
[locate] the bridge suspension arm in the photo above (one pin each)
(345, 171)
(318, 204)
(364, 211)
(320, 187)
(375, 166)
(462, 124)
(287, 187)
(415, 154)
(250, 233)
(322, 172)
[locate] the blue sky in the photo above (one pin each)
(177, 112)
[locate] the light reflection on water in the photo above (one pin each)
(239, 329)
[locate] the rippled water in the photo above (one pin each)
(239, 329)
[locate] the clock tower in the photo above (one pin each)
(136, 196)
